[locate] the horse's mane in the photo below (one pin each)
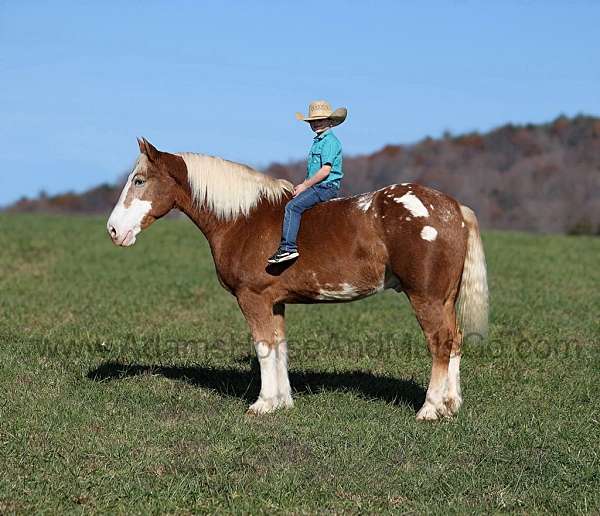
(230, 189)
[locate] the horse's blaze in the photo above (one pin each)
(131, 214)
(349, 249)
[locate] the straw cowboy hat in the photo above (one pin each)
(321, 110)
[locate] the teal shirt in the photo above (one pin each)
(326, 150)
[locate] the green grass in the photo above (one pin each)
(125, 375)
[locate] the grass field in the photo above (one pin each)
(125, 375)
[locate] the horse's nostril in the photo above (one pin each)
(112, 231)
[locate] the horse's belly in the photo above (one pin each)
(343, 279)
(345, 292)
(336, 292)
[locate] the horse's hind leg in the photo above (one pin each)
(438, 322)
(453, 400)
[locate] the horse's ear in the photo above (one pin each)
(148, 149)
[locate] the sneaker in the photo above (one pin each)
(283, 255)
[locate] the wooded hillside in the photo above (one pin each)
(543, 178)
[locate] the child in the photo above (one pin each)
(323, 175)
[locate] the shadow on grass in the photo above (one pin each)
(245, 384)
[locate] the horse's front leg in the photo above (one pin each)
(268, 332)
(284, 390)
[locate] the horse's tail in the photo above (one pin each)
(472, 302)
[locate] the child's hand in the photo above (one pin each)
(298, 189)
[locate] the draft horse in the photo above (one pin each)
(404, 237)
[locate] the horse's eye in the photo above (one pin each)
(138, 181)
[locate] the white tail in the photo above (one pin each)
(472, 302)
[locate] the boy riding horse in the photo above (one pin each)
(323, 175)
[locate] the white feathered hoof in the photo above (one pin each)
(286, 401)
(262, 406)
(453, 404)
(429, 412)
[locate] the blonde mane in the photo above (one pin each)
(230, 189)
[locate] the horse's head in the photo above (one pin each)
(148, 195)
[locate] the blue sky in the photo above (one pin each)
(80, 80)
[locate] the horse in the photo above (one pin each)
(406, 237)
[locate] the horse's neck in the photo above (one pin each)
(215, 229)
(211, 226)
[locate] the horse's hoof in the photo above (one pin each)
(286, 402)
(429, 412)
(262, 407)
(453, 404)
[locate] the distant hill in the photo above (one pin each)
(542, 178)
(98, 200)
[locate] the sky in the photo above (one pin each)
(80, 80)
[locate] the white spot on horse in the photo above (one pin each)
(343, 292)
(462, 224)
(407, 219)
(429, 233)
(413, 204)
(365, 200)
(404, 184)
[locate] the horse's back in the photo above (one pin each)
(408, 212)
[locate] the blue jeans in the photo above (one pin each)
(293, 211)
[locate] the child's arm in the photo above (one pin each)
(321, 174)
